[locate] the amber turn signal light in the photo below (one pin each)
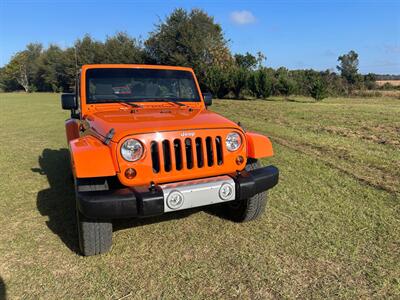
(130, 173)
(239, 160)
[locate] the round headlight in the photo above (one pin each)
(132, 150)
(233, 141)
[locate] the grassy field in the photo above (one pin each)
(332, 229)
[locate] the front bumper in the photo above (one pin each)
(144, 202)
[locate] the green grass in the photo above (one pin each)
(331, 229)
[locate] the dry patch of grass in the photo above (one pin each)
(392, 82)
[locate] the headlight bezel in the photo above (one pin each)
(123, 148)
(239, 138)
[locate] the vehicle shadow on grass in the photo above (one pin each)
(214, 210)
(121, 224)
(58, 201)
(2, 289)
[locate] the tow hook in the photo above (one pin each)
(152, 187)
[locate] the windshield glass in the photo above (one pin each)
(129, 85)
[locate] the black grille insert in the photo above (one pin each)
(178, 154)
(189, 153)
(155, 157)
(199, 152)
(218, 144)
(167, 155)
(210, 152)
(186, 153)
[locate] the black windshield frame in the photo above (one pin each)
(110, 77)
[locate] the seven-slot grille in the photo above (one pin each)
(186, 153)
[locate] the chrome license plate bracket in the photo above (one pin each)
(198, 192)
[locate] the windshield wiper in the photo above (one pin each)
(131, 104)
(180, 103)
(167, 100)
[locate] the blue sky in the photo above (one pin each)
(294, 34)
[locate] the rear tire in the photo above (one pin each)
(248, 209)
(95, 236)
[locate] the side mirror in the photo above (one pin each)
(68, 101)
(207, 99)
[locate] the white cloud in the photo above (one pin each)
(392, 48)
(242, 17)
(329, 52)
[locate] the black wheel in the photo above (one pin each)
(248, 209)
(95, 236)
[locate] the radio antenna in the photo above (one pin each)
(76, 59)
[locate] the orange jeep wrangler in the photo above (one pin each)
(143, 143)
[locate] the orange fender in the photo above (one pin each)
(90, 158)
(258, 145)
(72, 129)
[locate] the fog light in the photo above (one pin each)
(225, 191)
(130, 173)
(239, 160)
(175, 200)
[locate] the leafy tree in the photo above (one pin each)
(370, 81)
(23, 67)
(218, 81)
(318, 89)
(260, 59)
(190, 39)
(89, 51)
(335, 84)
(348, 66)
(246, 61)
(284, 84)
(261, 83)
(57, 69)
(123, 49)
(239, 77)
(8, 83)
(252, 84)
(299, 79)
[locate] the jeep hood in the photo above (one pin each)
(125, 122)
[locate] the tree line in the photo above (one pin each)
(184, 38)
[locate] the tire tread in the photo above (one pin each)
(252, 208)
(95, 236)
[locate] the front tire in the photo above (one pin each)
(248, 209)
(95, 236)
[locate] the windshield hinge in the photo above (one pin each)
(109, 136)
(241, 126)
